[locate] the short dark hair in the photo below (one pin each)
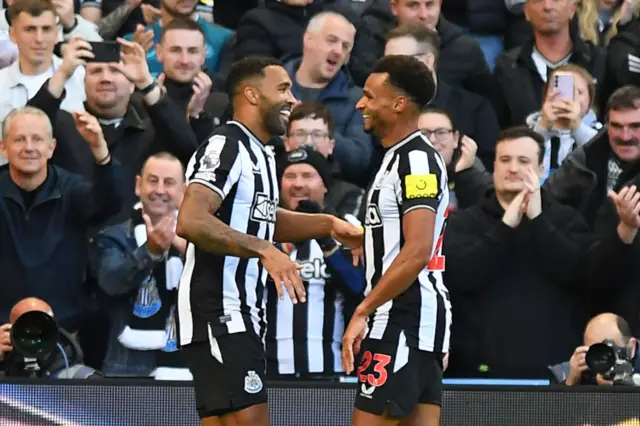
(408, 75)
(517, 132)
(314, 111)
(431, 110)
(182, 24)
(162, 155)
(246, 68)
(426, 38)
(30, 7)
(624, 99)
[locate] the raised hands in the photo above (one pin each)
(201, 90)
(91, 131)
(133, 64)
(627, 203)
(528, 201)
(468, 150)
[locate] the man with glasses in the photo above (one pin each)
(459, 154)
(472, 113)
(311, 125)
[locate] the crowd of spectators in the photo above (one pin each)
(93, 159)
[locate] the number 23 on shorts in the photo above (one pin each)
(379, 368)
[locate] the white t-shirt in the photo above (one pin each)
(33, 83)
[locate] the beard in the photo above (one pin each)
(173, 12)
(273, 120)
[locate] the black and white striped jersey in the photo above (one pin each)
(306, 337)
(412, 176)
(221, 295)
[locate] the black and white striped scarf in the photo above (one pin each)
(152, 324)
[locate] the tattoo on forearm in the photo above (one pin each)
(215, 237)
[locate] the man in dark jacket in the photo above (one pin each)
(609, 162)
(461, 63)
(46, 212)
(521, 72)
(130, 135)
(472, 114)
(513, 269)
(320, 76)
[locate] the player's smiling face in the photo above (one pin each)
(375, 104)
(276, 99)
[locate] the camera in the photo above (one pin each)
(34, 336)
(611, 361)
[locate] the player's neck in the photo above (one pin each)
(399, 131)
(253, 122)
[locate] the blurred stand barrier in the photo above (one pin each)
(150, 403)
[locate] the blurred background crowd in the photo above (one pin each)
(93, 157)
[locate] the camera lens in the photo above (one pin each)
(34, 334)
(600, 358)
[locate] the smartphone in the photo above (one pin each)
(563, 84)
(105, 51)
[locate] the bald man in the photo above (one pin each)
(602, 327)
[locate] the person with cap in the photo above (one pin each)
(64, 362)
(304, 340)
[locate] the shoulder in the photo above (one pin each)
(418, 146)
(214, 32)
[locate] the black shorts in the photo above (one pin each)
(393, 377)
(228, 373)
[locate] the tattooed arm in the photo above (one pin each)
(198, 225)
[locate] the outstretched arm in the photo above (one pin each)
(198, 225)
(294, 227)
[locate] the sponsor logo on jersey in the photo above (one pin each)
(315, 268)
(263, 208)
(373, 217)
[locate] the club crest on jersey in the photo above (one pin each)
(421, 186)
(263, 208)
(373, 217)
(252, 382)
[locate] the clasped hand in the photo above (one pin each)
(528, 201)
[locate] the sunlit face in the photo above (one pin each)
(301, 182)
(182, 53)
(408, 46)
(329, 49)
(275, 99)
(580, 92)
(549, 16)
(513, 158)
(310, 132)
(160, 187)
(624, 134)
(35, 36)
(439, 130)
(181, 8)
(28, 144)
(106, 87)
(424, 13)
(376, 104)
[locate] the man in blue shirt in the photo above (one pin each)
(215, 36)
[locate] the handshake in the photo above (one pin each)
(528, 201)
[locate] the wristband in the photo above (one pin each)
(146, 90)
(103, 161)
(71, 28)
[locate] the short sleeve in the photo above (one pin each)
(422, 177)
(90, 3)
(216, 165)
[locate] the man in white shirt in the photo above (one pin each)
(34, 29)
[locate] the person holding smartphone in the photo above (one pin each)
(567, 119)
